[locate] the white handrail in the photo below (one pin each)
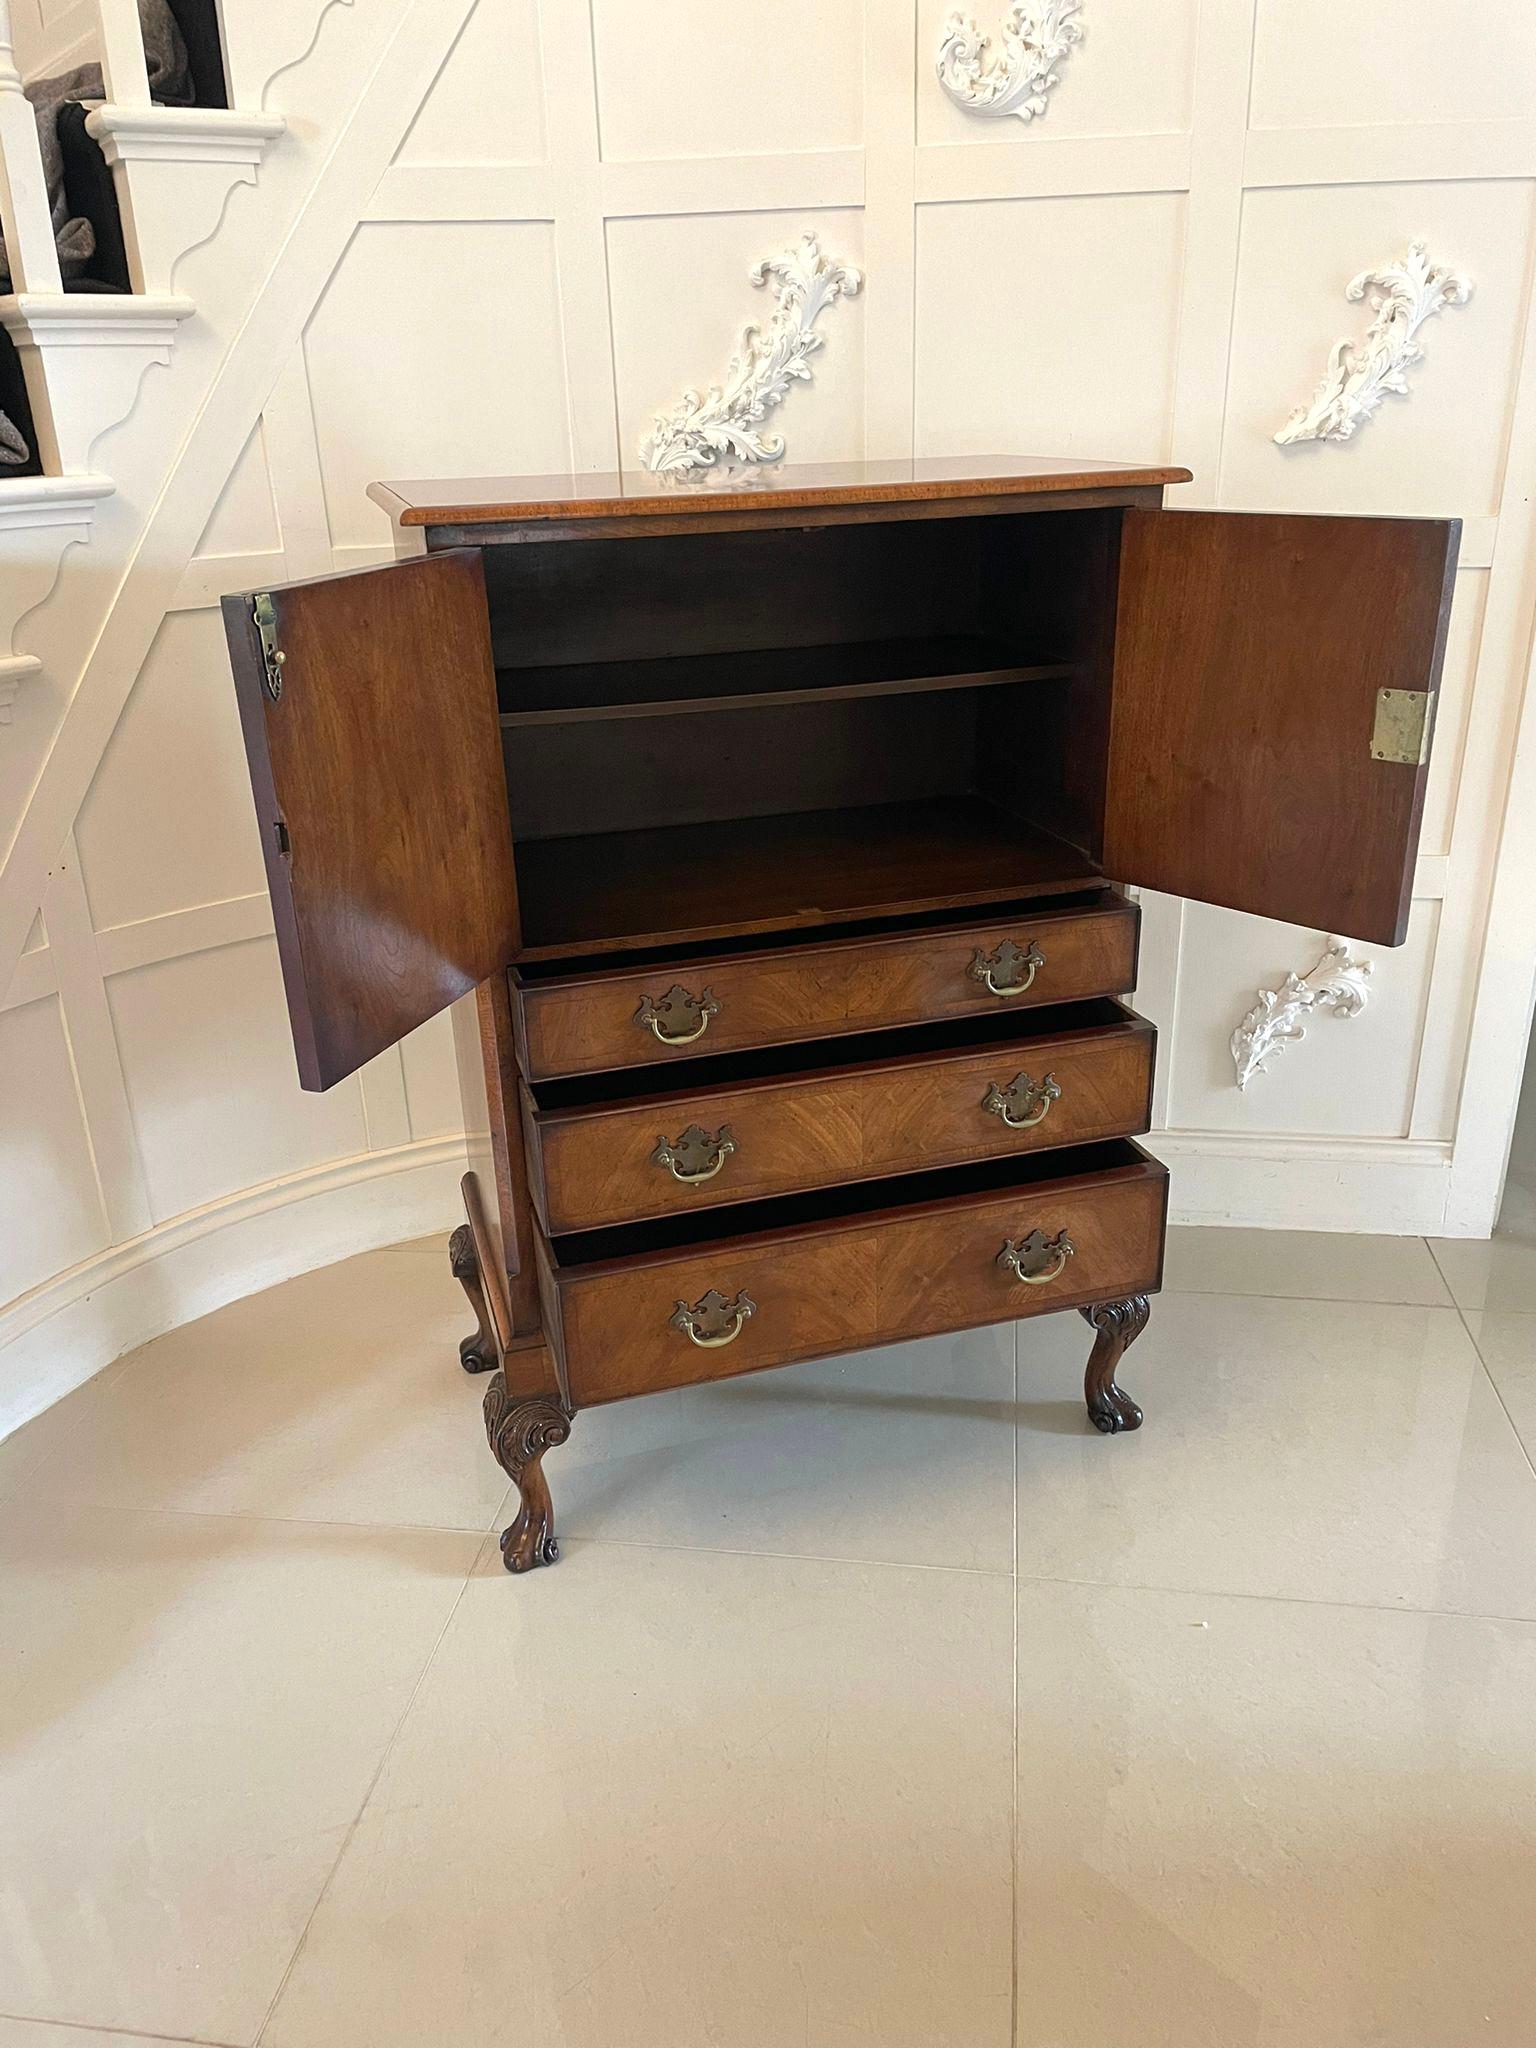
(121, 42)
(24, 212)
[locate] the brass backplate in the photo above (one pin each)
(1401, 731)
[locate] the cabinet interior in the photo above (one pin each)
(771, 729)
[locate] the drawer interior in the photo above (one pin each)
(1010, 1032)
(824, 1206)
(535, 972)
(747, 731)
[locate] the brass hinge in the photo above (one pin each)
(264, 612)
(1401, 731)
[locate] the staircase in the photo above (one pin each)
(85, 357)
(143, 402)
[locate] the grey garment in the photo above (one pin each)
(170, 84)
(13, 449)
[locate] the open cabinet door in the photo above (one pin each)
(369, 708)
(1263, 754)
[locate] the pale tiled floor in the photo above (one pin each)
(873, 1702)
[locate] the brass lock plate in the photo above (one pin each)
(1401, 731)
(264, 614)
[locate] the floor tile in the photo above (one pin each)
(337, 1396)
(674, 1799)
(1508, 1347)
(1315, 1265)
(25, 1448)
(192, 1709)
(1302, 1449)
(1483, 1272)
(45, 2034)
(846, 1457)
(435, 1246)
(1272, 1824)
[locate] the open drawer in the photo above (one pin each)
(631, 1310)
(626, 1147)
(590, 1018)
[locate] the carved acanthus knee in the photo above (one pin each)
(520, 1432)
(1117, 1325)
(477, 1352)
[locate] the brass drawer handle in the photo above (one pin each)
(713, 1321)
(695, 1156)
(1001, 970)
(669, 1017)
(1030, 1251)
(1023, 1103)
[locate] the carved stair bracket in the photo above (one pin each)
(1358, 377)
(723, 424)
(1037, 36)
(1336, 983)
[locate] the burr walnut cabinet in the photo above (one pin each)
(775, 835)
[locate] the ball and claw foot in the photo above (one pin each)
(477, 1352)
(520, 1432)
(1117, 1325)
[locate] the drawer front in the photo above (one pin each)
(899, 1274)
(582, 1024)
(672, 1154)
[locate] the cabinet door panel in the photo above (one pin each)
(379, 786)
(1249, 652)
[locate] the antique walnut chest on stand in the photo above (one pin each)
(776, 829)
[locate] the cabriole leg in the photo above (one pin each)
(477, 1352)
(1118, 1324)
(520, 1432)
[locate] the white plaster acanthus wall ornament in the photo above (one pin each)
(1037, 36)
(1358, 377)
(724, 423)
(1277, 1019)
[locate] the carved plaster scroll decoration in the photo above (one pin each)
(1404, 295)
(723, 424)
(1037, 36)
(1337, 983)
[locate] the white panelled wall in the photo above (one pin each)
(1153, 270)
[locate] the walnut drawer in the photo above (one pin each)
(824, 1274)
(762, 1124)
(594, 1019)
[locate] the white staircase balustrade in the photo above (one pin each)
(24, 212)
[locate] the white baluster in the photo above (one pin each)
(24, 213)
(121, 42)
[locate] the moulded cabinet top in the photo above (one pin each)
(495, 500)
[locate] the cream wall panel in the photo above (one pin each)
(1463, 643)
(168, 822)
(693, 78)
(1317, 64)
(1024, 307)
(486, 105)
(435, 351)
(37, 937)
(1132, 74)
(51, 1214)
(244, 520)
(432, 1080)
(1440, 449)
(680, 295)
(212, 1087)
(1351, 1077)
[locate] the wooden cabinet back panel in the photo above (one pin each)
(874, 1279)
(586, 1023)
(597, 1166)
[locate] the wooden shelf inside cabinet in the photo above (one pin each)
(658, 688)
(608, 890)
